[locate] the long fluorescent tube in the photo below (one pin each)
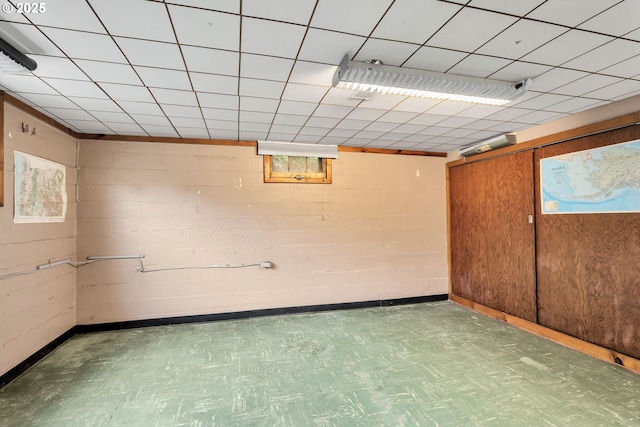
(14, 61)
(375, 77)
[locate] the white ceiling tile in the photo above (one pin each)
(354, 17)
(307, 139)
(566, 47)
(248, 103)
(45, 101)
(28, 39)
(462, 32)
(383, 102)
(112, 117)
(343, 133)
(389, 52)
(624, 15)
(304, 93)
(628, 68)
(76, 14)
(365, 114)
(289, 129)
(190, 122)
(278, 136)
(96, 104)
(25, 84)
(265, 67)
(521, 38)
(214, 100)
(164, 131)
(71, 114)
(127, 93)
(556, 77)
(297, 107)
(633, 35)
(219, 114)
(518, 70)
(329, 47)
(520, 7)
(182, 111)
(78, 45)
(231, 6)
(565, 12)
(369, 134)
(76, 88)
(214, 61)
(204, 28)
(139, 19)
(416, 104)
(92, 126)
(480, 111)
(482, 124)
(426, 119)
(414, 22)
(223, 134)
(574, 104)
(434, 59)
(271, 38)
(151, 53)
(296, 11)
(146, 119)
(109, 72)
(604, 56)
(535, 117)
(397, 116)
(459, 133)
(161, 78)
(214, 83)
(337, 111)
(261, 88)
(509, 114)
(586, 84)
(312, 74)
(290, 119)
(256, 117)
(449, 108)
(254, 127)
(322, 122)
(176, 97)
(191, 132)
(479, 66)
(60, 68)
(409, 128)
(337, 96)
(222, 125)
(452, 122)
(622, 89)
(542, 101)
(353, 124)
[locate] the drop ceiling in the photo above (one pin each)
(262, 70)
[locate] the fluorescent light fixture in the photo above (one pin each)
(375, 77)
(14, 61)
(272, 148)
(489, 144)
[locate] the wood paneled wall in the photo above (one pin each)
(589, 265)
(492, 241)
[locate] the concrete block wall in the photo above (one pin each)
(377, 232)
(36, 308)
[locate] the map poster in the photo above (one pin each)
(40, 190)
(600, 180)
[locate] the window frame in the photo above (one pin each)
(271, 176)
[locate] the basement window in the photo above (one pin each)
(298, 169)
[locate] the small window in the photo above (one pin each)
(312, 170)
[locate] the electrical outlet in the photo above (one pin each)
(266, 264)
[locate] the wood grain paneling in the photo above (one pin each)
(589, 265)
(1, 149)
(492, 241)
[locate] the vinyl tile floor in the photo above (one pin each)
(431, 364)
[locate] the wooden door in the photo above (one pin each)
(492, 242)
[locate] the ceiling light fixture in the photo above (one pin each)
(14, 61)
(373, 76)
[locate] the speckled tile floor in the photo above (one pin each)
(432, 364)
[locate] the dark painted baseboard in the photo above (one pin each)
(83, 329)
